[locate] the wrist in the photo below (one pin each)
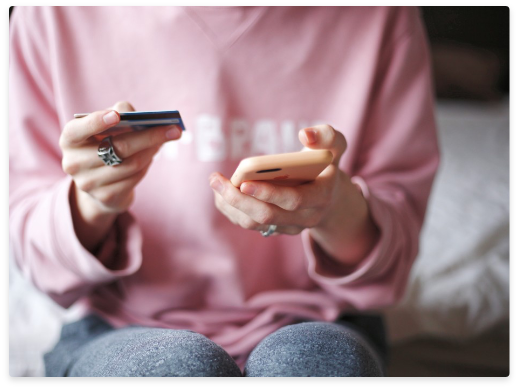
(91, 221)
(347, 233)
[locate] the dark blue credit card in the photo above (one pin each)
(140, 121)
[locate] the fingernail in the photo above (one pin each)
(248, 189)
(111, 118)
(216, 185)
(311, 136)
(173, 133)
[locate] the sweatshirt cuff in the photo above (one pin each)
(325, 270)
(122, 248)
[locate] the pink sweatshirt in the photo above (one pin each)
(245, 81)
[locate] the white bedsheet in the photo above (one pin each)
(34, 325)
(459, 285)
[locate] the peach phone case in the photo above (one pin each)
(288, 169)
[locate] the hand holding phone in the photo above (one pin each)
(288, 169)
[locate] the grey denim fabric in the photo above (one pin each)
(314, 349)
(92, 348)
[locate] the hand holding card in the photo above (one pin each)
(88, 142)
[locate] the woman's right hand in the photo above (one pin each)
(101, 192)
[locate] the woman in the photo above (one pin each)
(170, 265)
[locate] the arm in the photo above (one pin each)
(331, 207)
(397, 160)
(41, 216)
(361, 231)
(99, 193)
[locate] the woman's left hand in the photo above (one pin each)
(331, 206)
(257, 204)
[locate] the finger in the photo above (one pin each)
(123, 106)
(81, 159)
(235, 215)
(285, 230)
(324, 137)
(117, 196)
(309, 195)
(239, 218)
(78, 130)
(259, 211)
(91, 179)
(127, 144)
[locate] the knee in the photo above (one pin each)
(145, 352)
(313, 349)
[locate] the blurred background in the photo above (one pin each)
(454, 317)
(470, 47)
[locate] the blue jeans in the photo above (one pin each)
(352, 346)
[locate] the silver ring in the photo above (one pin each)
(106, 152)
(270, 231)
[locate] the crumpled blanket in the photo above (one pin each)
(459, 285)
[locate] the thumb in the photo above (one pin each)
(324, 137)
(123, 106)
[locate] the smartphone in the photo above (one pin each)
(141, 121)
(288, 169)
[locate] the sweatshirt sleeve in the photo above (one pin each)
(42, 236)
(397, 159)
